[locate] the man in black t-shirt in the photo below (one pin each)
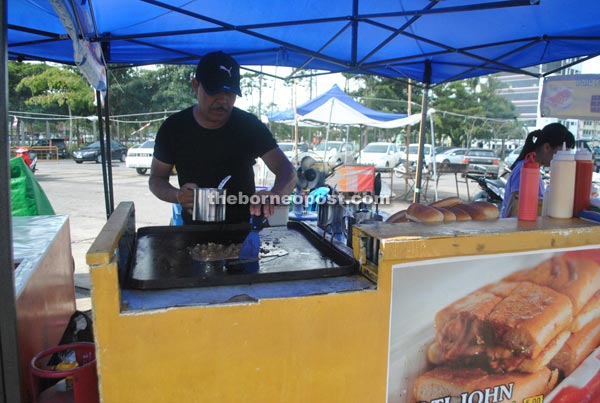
(213, 139)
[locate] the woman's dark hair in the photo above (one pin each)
(554, 134)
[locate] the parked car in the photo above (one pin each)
(382, 155)
(442, 149)
(451, 156)
(92, 152)
(511, 158)
(140, 157)
(413, 153)
(289, 149)
(483, 161)
(45, 149)
(337, 152)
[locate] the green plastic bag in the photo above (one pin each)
(26, 194)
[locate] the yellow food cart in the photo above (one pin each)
(354, 336)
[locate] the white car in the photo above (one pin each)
(413, 153)
(451, 156)
(336, 153)
(510, 158)
(140, 157)
(289, 149)
(382, 155)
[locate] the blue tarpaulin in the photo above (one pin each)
(427, 41)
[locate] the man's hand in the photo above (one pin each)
(185, 196)
(267, 202)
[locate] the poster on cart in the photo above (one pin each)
(522, 328)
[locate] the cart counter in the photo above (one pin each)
(360, 337)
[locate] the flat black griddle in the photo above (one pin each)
(163, 259)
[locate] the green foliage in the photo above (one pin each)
(470, 109)
(16, 71)
(133, 91)
(62, 87)
(48, 89)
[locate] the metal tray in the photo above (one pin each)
(162, 257)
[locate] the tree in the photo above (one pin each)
(60, 87)
(53, 90)
(136, 91)
(16, 72)
(469, 109)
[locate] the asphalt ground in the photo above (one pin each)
(77, 190)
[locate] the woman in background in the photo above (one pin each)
(545, 143)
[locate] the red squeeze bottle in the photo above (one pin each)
(529, 189)
(584, 168)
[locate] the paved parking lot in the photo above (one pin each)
(77, 190)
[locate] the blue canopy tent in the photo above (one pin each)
(430, 42)
(335, 107)
(353, 113)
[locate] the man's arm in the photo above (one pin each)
(160, 186)
(285, 175)
(285, 179)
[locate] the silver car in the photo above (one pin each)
(511, 158)
(451, 156)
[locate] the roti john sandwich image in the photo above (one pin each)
(516, 338)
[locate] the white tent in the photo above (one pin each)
(335, 107)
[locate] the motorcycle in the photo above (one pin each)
(492, 189)
(29, 156)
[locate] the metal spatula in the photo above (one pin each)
(251, 245)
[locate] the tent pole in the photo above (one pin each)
(108, 160)
(408, 130)
(325, 164)
(347, 133)
(10, 378)
(294, 101)
(102, 152)
(433, 163)
(420, 157)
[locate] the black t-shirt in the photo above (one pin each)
(206, 156)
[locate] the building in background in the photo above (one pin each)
(524, 92)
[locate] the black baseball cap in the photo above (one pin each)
(218, 72)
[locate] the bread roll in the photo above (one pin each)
(547, 354)
(399, 216)
(449, 216)
(461, 215)
(589, 312)
(447, 202)
(577, 348)
(489, 209)
(478, 212)
(577, 278)
(422, 213)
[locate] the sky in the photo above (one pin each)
(592, 66)
(282, 95)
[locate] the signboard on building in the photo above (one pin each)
(571, 97)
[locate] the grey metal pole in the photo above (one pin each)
(10, 379)
(420, 156)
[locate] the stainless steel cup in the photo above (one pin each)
(209, 204)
